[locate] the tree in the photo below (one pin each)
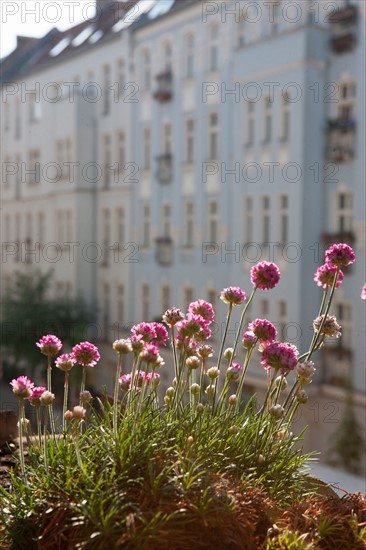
(28, 312)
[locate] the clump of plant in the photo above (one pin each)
(135, 470)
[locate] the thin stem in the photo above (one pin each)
(66, 393)
(115, 397)
(172, 335)
(39, 426)
(264, 406)
(245, 368)
(241, 324)
(83, 381)
(49, 388)
(20, 425)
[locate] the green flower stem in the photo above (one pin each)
(83, 380)
(321, 309)
(265, 406)
(318, 332)
(242, 378)
(176, 398)
(241, 325)
(224, 336)
(20, 425)
(202, 376)
(115, 397)
(66, 394)
(78, 453)
(131, 391)
(277, 393)
(172, 336)
(39, 426)
(49, 388)
(46, 414)
(221, 399)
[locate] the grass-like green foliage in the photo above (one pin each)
(161, 469)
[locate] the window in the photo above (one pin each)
(6, 116)
(250, 110)
(106, 235)
(242, 30)
(34, 167)
(146, 137)
(17, 126)
(106, 311)
(121, 305)
(248, 220)
(282, 319)
(265, 219)
(343, 313)
(7, 228)
(121, 150)
(18, 177)
(285, 118)
(121, 76)
(41, 225)
(121, 237)
(189, 56)
(63, 156)
(107, 158)
(146, 70)
(145, 302)
(166, 220)
(189, 224)
(344, 212)
(187, 296)
(212, 298)
(17, 236)
(213, 52)
(267, 119)
(35, 108)
(167, 138)
(347, 98)
(145, 226)
(263, 307)
(165, 298)
(275, 17)
(213, 136)
(106, 89)
(167, 57)
(283, 219)
(189, 153)
(213, 221)
(64, 227)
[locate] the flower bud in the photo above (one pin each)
(174, 383)
(79, 412)
(122, 346)
(167, 401)
(302, 396)
(233, 400)
(261, 459)
(193, 362)
(195, 389)
(233, 429)
(281, 380)
(200, 408)
(85, 397)
(69, 415)
(47, 398)
(170, 392)
(190, 440)
(277, 411)
(210, 391)
(213, 373)
(228, 353)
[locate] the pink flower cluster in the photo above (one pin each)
(86, 354)
(233, 295)
(141, 377)
(324, 276)
(265, 275)
(202, 308)
(155, 333)
(65, 362)
(340, 255)
(22, 387)
(280, 355)
(262, 329)
(49, 345)
(35, 397)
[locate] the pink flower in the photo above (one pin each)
(22, 387)
(280, 355)
(233, 295)
(153, 378)
(249, 340)
(324, 276)
(265, 275)
(34, 398)
(137, 343)
(65, 362)
(263, 330)
(86, 354)
(161, 334)
(172, 316)
(49, 345)
(363, 292)
(340, 255)
(146, 330)
(186, 344)
(205, 351)
(202, 308)
(330, 327)
(126, 379)
(203, 334)
(190, 326)
(150, 353)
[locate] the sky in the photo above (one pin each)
(37, 17)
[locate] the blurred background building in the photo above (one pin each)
(155, 152)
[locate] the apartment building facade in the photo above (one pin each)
(174, 145)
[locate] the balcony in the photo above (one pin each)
(164, 90)
(338, 237)
(344, 16)
(341, 124)
(341, 140)
(164, 251)
(343, 43)
(164, 172)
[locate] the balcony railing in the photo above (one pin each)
(164, 89)
(341, 139)
(343, 43)
(165, 168)
(338, 237)
(341, 124)
(164, 251)
(346, 15)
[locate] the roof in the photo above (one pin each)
(115, 16)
